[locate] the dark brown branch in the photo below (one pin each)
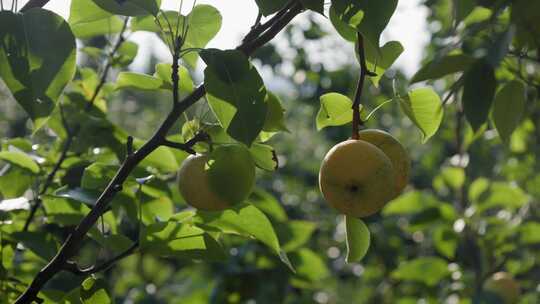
(33, 4)
(357, 121)
(74, 268)
(73, 241)
(259, 28)
(188, 145)
(72, 132)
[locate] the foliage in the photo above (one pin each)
(89, 156)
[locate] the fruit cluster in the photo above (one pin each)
(359, 176)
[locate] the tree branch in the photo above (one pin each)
(73, 241)
(33, 4)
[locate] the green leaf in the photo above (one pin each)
(131, 80)
(275, 116)
(379, 61)
(295, 233)
(14, 181)
(477, 188)
(345, 24)
(309, 265)
(37, 59)
(179, 239)
(86, 11)
(94, 291)
(105, 26)
(427, 270)
(129, 8)
(245, 220)
(503, 195)
(63, 210)
(445, 241)
(526, 15)
(368, 17)
(463, 8)
(85, 196)
(477, 15)
(443, 66)
(161, 208)
(336, 110)
(164, 72)
(268, 204)
(98, 175)
(268, 7)
(204, 23)
(41, 243)
(264, 156)
(529, 233)
(453, 176)
(424, 107)
(235, 93)
(358, 239)
(161, 158)
(126, 53)
(314, 5)
(20, 160)
(508, 108)
(478, 91)
(410, 203)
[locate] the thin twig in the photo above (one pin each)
(258, 28)
(33, 4)
(74, 268)
(188, 145)
(73, 241)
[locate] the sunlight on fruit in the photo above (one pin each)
(355, 178)
(218, 180)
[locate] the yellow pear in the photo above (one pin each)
(217, 180)
(395, 152)
(357, 178)
(503, 285)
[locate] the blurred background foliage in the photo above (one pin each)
(471, 208)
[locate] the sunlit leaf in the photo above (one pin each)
(335, 110)
(94, 291)
(20, 159)
(358, 239)
(428, 270)
(378, 61)
(235, 93)
(245, 220)
(423, 106)
(369, 17)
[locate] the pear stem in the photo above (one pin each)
(356, 120)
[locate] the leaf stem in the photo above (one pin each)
(357, 120)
